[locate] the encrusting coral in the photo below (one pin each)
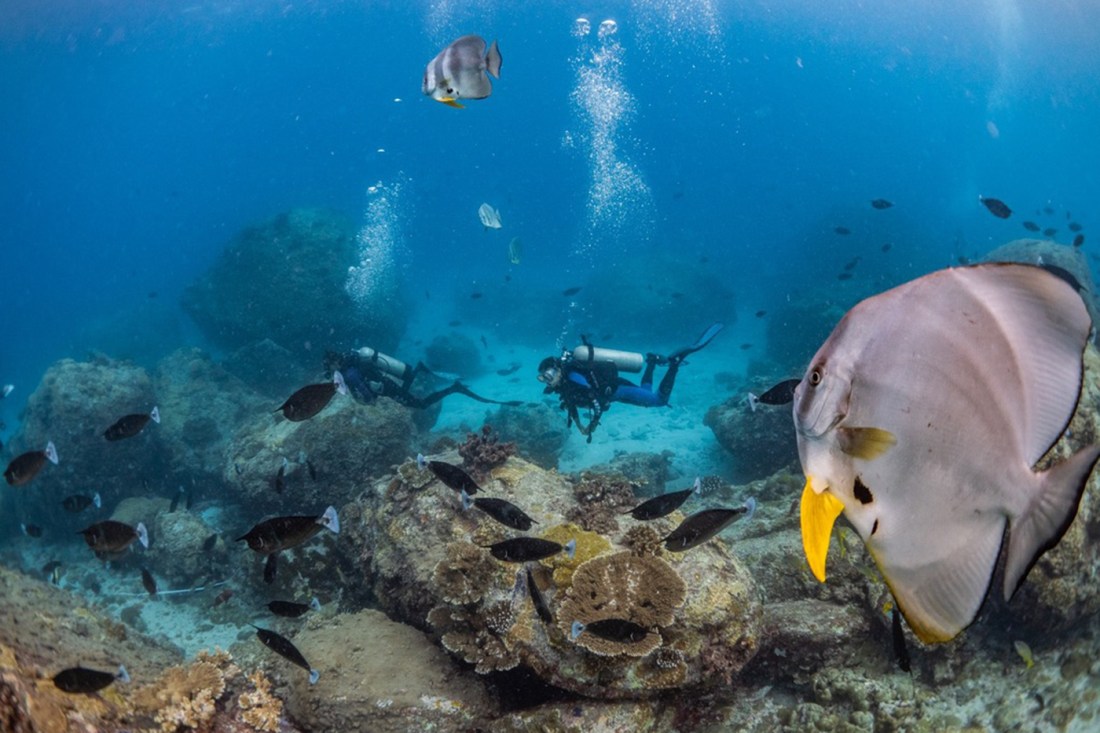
(601, 499)
(464, 574)
(466, 633)
(641, 589)
(482, 452)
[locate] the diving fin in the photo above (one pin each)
(702, 341)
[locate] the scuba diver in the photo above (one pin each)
(370, 374)
(588, 378)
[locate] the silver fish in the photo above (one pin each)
(459, 71)
(490, 217)
(922, 417)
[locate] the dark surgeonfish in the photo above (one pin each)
(110, 536)
(311, 399)
(503, 511)
(907, 424)
(148, 582)
(87, 681)
(541, 608)
(31, 530)
(1050, 232)
(701, 526)
(996, 207)
(282, 533)
(282, 646)
(26, 466)
(881, 204)
(611, 629)
(459, 71)
(1031, 226)
(665, 504)
(901, 650)
(289, 609)
(1075, 227)
(449, 474)
(128, 426)
(271, 568)
(525, 549)
(780, 394)
(79, 502)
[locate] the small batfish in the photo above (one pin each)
(525, 549)
(79, 502)
(289, 609)
(571, 291)
(110, 536)
(26, 466)
(611, 629)
(901, 651)
(490, 217)
(282, 533)
(449, 474)
(881, 204)
(906, 424)
(541, 608)
(459, 71)
(128, 426)
(996, 207)
(148, 582)
(662, 506)
(311, 399)
(282, 646)
(1031, 226)
(31, 530)
(1075, 227)
(515, 250)
(271, 568)
(701, 526)
(87, 681)
(503, 511)
(1078, 240)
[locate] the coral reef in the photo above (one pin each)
(601, 499)
(259, 707)
(464, 574)
(483, 451)
(761, 441)
(183, 696)
(283, 280)
(538, 432)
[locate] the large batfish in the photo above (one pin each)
(459, 71)
(922, 418)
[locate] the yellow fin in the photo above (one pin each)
(818, 513)
(450, 102)
(865, 443)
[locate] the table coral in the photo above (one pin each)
(644, 590)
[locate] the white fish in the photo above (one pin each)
(515, 250)
(490, 217)
(922, 418)
(459, 71)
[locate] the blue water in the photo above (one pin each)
(137, 138)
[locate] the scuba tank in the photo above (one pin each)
(388, 364)
(624, 361)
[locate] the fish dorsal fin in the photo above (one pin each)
(1046, 324)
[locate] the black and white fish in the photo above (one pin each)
(26, 466)
(311, 399)
(611, 629)
(81, 680)
(780, 394)
(282, 646)
(525, 549)
(79, 502)
(702, 526)
(665, 504)
(289, 609)
(501, 510)
(459, 71)
(128, 426)
(450, 474)
(282, 533)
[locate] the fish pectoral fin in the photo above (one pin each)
(865, 443)
(451, 102)
(818, 513)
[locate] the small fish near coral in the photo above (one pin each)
(780, 394)
(290, 609)
(284, 648)
(901, 427)
(148, 582)
(77, 503)
(311, 399)
(128, 426)
(459, 71)
(527, 549)
(501, 510)
(26, 466)
(110, 536)
(665, 504)
(282, 533)
(537, 599)
(450, 474)
(702, 526)
(612, 629)
(996, 207)
(80, 680)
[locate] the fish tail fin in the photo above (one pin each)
(421, 461)
(143, 535)
(571, 548)
(97, 500)
(314, 675)
(493, 60)
(155, 414)
(467, 502)
(1048, 517)
(697, 487)
(750, 507)
(576, 630)
(315, 604)
(330, 520)
(123, 675)
(338, 380)
(752, 400)
(51, 452)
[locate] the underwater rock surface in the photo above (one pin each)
(762, 441)
(430, 570)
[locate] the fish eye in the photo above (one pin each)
(815, 376)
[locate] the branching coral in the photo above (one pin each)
(483, 452)
(642, 539)
(259, 708)
(601, 499)
(643, 590)
(464, 574)
(183, 697)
